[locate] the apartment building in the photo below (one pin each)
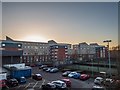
(89, 51)
(59, 53)
(34, 52)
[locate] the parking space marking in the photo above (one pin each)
(35, 84)
(27, 85)
(42, 83)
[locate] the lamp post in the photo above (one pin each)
(108, 41)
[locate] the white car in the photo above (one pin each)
(59, 84)
(54, 70)
(98, 80)
(97, 87)
(74, 75)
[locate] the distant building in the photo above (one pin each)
(88, 51)
(101, 52)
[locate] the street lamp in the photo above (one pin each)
(108, 41)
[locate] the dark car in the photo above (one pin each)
(108, 82)
(3, 84)
(37, 76)
(32, 65)
(67, 81)
(22, 80)
(49, 86)
(84, 76)
(12, 82)
(65, 74)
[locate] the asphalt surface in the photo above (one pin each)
(48, 77)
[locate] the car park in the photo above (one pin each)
(22, 80)
(54, 70)
(12, 82)
(98, 80)
(59, 84)
(66, 73)
(74, 75)
(67, 81)
(37, 76)
(49, 86)
(84, 76)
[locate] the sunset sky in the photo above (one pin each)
(68, 22)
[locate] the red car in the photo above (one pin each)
(67, 81)
(84, 76)
(3, 84)
(37, 76)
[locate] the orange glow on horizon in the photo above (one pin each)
(35, 38)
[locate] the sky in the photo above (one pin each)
(67, 22)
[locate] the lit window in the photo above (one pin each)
(66, 53)
(19, 45)
(65, 46)
(56, 56)
(3, 45)
(56, 46)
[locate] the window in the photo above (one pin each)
(19, 45)
(55, 56)
(3, 45)
(65, 46)
(66, 53)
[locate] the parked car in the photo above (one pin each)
(48, 69)
(66, 73)
(21, 80)
(98, 80)
(37, 76)
(116, 83)
(74, 75)
(84, 76)
(49, 86)
(42, 66)
(38, 64)
(45, 68)
(54, 70)
(67, 81)
(98, 87)
(12, 82)
(32, 65)
(59, 84)
(108, 81)
(3, 84)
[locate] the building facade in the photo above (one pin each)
(85, 51)
(11, 52)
